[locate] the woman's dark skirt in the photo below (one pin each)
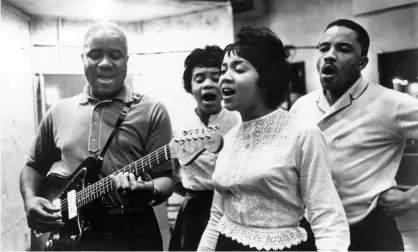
(227, 244)
(191, 221)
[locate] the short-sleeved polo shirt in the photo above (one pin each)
(79, 126)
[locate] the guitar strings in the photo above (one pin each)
(132, 168)
(88, 194)
(91, 189)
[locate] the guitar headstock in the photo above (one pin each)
(192, 143)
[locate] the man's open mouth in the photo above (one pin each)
(329, 70)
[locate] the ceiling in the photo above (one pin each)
(112, 10)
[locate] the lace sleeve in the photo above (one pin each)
(210, 236)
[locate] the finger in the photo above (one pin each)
(381, 201)
(45, 226)
(388, 203)
(132, 181)
(144, 186)
(124, 181)
(39, 212)
(47, 216)
(115, 181)
(48, 206)
(40, 221)
(146, 177)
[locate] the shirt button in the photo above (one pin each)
(93, 139)
(95, 123)
(97, 109)
(335, 182)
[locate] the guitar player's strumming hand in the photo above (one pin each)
(42, 215)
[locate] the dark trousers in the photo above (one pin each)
(115, 242)
(377, 232)
(120, 232)
(191, 221)
(227, 244)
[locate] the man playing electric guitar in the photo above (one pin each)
(77, 128)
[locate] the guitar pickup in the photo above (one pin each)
(72, 204)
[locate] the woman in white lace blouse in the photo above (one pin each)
(272, 165)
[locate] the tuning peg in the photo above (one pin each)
(216, 127)
(185, 132)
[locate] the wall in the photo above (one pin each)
(17, 123)
(369, 6)
(301, 22)
(161, 74)
(157, 50)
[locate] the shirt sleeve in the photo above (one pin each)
(324, 208)
(407, 117)
(160, 134)
(44, 152)
(210, 235)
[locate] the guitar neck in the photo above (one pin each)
(139, 167)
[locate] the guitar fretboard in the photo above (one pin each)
(139, 167)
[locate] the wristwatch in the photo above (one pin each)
(152, 202)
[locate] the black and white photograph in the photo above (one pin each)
(209, 125)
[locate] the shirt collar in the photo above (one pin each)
(354, 92)
(125, 95)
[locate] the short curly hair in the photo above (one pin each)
(210, 56)
(265, 51)
(362, 35)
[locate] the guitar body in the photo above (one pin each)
(77, 195)
(57, 187)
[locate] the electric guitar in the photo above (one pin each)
(74, 194)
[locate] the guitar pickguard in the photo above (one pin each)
(72, 230)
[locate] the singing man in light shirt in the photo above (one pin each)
(365, 126)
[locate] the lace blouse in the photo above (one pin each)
(269, 170)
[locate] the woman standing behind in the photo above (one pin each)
(200, 79)
(272, 166)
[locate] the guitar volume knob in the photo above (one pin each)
(48, 244)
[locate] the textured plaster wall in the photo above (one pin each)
(17, 123)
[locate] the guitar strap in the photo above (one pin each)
(136, 98)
